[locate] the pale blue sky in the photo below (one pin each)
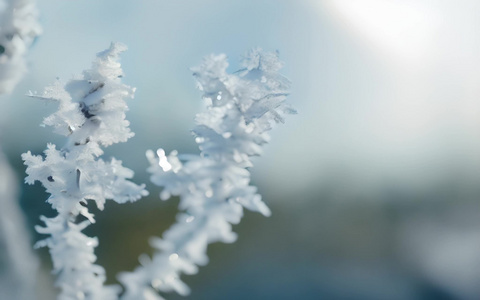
(384, 90)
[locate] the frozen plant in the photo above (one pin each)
(91, 114)
(18, 29)
(18, 265)
(214, 186)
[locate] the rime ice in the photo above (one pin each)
(214, 186)
(91, 114)
(18, 29)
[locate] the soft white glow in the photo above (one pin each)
(209, 193)
(157, 283)
(403, 28)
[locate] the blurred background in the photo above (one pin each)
(374, 186)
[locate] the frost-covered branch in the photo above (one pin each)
(214, 186)
(18, 29)
(91, 114)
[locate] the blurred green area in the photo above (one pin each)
(331, 246)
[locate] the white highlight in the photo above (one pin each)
(163, 161)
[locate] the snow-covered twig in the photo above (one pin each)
(18, 29)
(92, 114)
(214, 186)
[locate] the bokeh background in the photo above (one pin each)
(374, 185)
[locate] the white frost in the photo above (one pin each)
(18, 29)
(92, 114)
(214, 186)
